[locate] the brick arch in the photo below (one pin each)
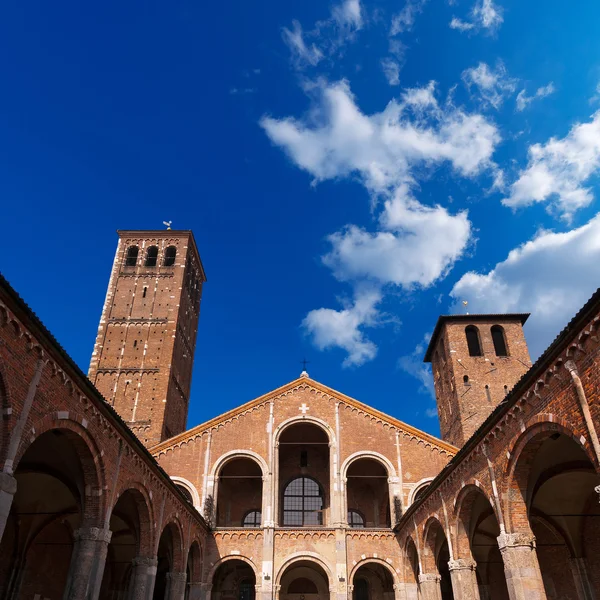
(305, 419)
(232, 455)
(432, 526)
(369, 455)
(522, 449)
(410, 555)
(92, 462)
(190, 487)
(463, 504)
(196, 555)
(375, 560)
(417, 487)
(172, 521)
(309, 557)
(224, 559)
(145, 514)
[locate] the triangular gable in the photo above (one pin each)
(302, 382)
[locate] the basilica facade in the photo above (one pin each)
(304, 493)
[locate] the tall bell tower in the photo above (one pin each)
(144, 352)
(476, 360)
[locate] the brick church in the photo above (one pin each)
(304, 493)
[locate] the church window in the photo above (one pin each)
(302, 503)
(170, 254)
(355, 519)
(151, 255)
(252, 519)
(499, 341)
(132, 254)
(473, 342)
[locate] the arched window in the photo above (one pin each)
(355, 519)
(252, 519)
(473, 343)
(170, 254)
(151, 255)
(499, 341)
(186, 493)
(302, 503)
(131, 258)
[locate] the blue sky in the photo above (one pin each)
(350, 170)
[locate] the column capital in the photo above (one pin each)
(514, 540)
(177, 576)
(427, 577)
(8, 484)
(93, 534)
(144, 561)
(462, 564)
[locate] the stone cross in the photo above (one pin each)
(304, 408)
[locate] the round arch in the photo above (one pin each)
(373, 456)
(227, 558)
(432, 520)
(305, 419)
(305, 556)
(190, 487)
(472, 486)
(232, 455)
(372, 559)
(172, 521)
(422, 483)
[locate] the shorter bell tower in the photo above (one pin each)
(476, 360)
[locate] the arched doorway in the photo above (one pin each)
(304, 578)
(47, 509)
(303, 475)
(477, 533)
(372, 581)
(239, 493)
(435, 559)
(234, 580)
(367, 493)
(553, 485)
(168, 560)
(129, 521)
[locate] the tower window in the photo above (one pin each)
(151, 255)
(170, 254)
(499, 341)
(132, 254)
(473, 342)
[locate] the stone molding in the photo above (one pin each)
(462, 564)
(515, 540)
(428, 577)
(93, 534)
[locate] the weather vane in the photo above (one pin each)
(168, 224)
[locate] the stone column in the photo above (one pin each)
(143, 577)
(87, 563)
(412, 591)
(464, 580)
(176, 585)
(400, 591)
(205, 591)
(582, 581)
(429, 586)
(8, 489)
(521, 567)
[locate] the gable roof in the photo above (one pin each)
(304, 380)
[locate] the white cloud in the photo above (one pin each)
(348, 14)
(550, 276)
(336, 139)
(523, 100)
(493, 85)
(557, 170)
(327, 36)
(391, 70)
(342, 328)
(415, 244)
(301, 53)
(405, 19)
(413, 365)
(484, 15)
